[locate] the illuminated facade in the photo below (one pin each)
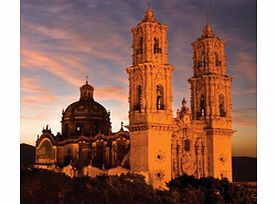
(198, 141)
(150, 100)
(161, 147)
(86, 138)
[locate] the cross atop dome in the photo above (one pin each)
(86, 91)
(86, 79)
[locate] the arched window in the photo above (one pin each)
(66, 130)
(46, 150)
(140, 46)
(100, 148)
(186, 145)
(160, 97)
(202, 107)
(79, 129)
(140, 42)
(202, 60)
(96, 129)
(222, 112)
(157, 49)
(68, 158)
(138, 98)
(217, 60)
(195, 62)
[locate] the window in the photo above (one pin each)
(222, 112)
(217, 60)
(96, 129)
(138, 98)
(66, 129)
(160, 98)
(202, 107)
(156, 46)
(195, 61)
(202, 60)
(140, 46)
(68, 159)
(46, 150)
(79, 128)
(186, 145)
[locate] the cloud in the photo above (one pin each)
(62, 41)
(34, 93)
(37, 100)
(32, 117)
(112, 93)
(61, 67)
(31, 85)
(246, 67)
(245, 117)
(239, 91)
(68, 38)
(70, 54)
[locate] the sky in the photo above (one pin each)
(62, 41)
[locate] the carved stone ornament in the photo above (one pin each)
(159, 175)
(160, 157)
(222, 158)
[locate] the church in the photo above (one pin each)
(197, 141)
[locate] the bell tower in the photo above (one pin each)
(150, 102)
(211, 100)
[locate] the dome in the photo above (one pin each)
(85, 108)
(207, 32)
(85, 117)
(86, 92)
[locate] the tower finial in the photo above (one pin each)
(121, 129)
(86, 91)
(208, 12)
(208, 32)
(148, 4)
(149, 14)
(86, 80)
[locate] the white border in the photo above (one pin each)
(267, 100)
(10, 101)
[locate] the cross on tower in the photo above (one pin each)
(148, 4)
(208, 11)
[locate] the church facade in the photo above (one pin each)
(85, 137)
(161, 147)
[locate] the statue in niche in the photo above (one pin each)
(183, 114)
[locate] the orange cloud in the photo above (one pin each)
(240, 91)
(37, 94)
(111, 93)
(32, 117)
(60, 67)
(72, 40)
(57, 33)
(245, 117)
(37, 100)
(31, 85)
(246, 66)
